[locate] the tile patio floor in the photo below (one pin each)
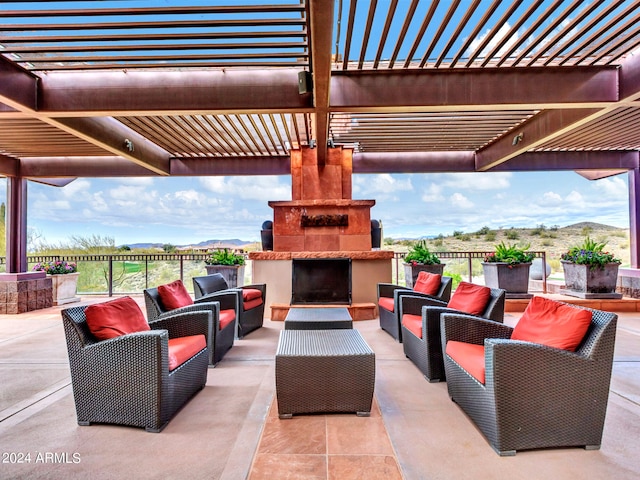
(230, 430)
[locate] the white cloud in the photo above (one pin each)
(504, 30)
(433, 194)
(478, 180)
(458, 200)
(381, 186)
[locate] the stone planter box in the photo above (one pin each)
(411, 271)
(64, 288)
(233, 274)
(512, 278)
(584, 282)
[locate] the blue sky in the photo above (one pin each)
(183, 211)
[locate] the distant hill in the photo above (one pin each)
(230, 243)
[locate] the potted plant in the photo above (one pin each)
(508, 268)
(229, 264)
(589, 271)
(64, 279)
(418, 259)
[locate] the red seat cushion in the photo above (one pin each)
(413, 323)
(469, 356)
(250, 294)
(553, 324)
(226, 317)
(174, 295)
(386, 303)
(470, 298)
(114, 318)
(182, 349)
(256, 302)
(428, 283)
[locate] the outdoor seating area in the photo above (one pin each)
(230, 429)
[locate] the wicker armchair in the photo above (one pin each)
(219, 340)
(534, 396)
(126, 380)
(388, 295)
(426, 352)
(250, 304)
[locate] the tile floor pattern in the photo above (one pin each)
(319, 447)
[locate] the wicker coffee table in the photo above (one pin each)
(324, 371)
(317, 318)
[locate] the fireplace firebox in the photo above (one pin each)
(321, 281)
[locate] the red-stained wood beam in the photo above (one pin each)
(267, 165)
(321, 36)
(413, 162)
(476, 89)
(172, 93)
(9, 167)
(541, 128)
(64, 167)
(18, 88)
(552, 161)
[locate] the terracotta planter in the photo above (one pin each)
(582, 279)
(64, 288)
(512, 278)
(233, 274)
(411, 271)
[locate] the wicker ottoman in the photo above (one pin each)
(317, 318)
(324, 371)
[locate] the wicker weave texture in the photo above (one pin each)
(324, 371)
(390, 322)
(426, 352)
(317, 318)
(126, 380)
(534, 396)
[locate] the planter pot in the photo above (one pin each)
(411, 271)
(512, 278)
(64, 288)
(585, 282)
(233, 274)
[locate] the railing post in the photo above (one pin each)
(181, 268)
(470, 267)
(544, 272)
(110, 275)
(146, 272)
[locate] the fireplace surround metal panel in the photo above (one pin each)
(318, 281)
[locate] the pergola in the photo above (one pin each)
(112, 88)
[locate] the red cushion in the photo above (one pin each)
(174, 295)
(226, 317)
(114, 318)
(553, 324)
(413, 323)
(386, 303)
(469, 356)
(470, 298)
(252, 304)
(428, 283)
(251, 294)
(182, 349)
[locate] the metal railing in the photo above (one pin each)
(116, 268)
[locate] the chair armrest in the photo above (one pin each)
(135, 349)
(535, 370)
(228, 299)
(413, 304)
(185, 324)
(388, 289)
(470, 329)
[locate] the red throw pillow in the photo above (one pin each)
(552, 323)
(428, 283)
(115, 318)
(174, 295)
(470, 298)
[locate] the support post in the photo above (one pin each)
(634, 220)
(16, 225)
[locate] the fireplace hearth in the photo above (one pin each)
(321, 281)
